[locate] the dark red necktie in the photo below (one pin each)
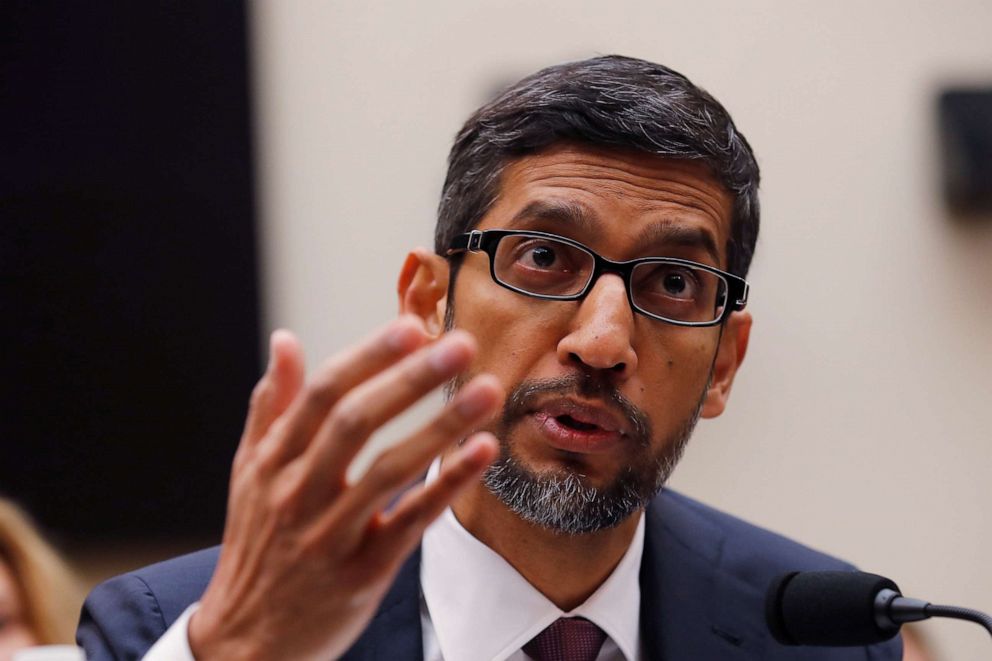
(567, 639)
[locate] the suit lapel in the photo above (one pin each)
(395, 634)
(689, 608)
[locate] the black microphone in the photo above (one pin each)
(843, 608)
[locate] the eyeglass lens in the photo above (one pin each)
(671, 290)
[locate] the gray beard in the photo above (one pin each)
(561, 500)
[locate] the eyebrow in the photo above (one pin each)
(579, 216)
(569, 213)
(683, 236)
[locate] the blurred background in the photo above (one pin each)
(177, 182)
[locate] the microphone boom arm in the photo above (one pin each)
(959, 613)
(892, 609)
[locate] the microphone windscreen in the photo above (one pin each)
(831, 608)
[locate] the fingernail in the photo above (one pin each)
(476, 449)
(272, 351)
(445, 357)
(403, 338)
(472, 404)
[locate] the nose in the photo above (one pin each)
(600, 334)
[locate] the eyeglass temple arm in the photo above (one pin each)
(470, 242)
(741, 302)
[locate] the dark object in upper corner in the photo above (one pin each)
(965, 124)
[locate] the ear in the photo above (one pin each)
(423, 288)
(729, 356)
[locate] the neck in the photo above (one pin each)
(567, 569)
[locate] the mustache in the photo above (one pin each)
(524, 397)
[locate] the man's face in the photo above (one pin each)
(600, 398)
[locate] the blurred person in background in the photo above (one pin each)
(915, 645)
(39, 595)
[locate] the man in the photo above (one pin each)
(594, 230)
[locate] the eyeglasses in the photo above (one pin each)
(548, 266)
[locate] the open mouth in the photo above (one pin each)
(574, 432)
(570, 422)
(576, 426)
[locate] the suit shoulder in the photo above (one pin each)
(748, 552)
(123, 616)
(694, 550)
(179, 581)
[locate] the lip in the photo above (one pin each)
(607, 433)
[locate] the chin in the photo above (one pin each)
(564, 498)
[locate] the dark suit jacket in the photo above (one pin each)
(703, 580)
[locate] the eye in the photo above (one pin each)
(542, 257)
(674, 283)
(541, 265)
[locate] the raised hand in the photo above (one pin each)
(307, 557)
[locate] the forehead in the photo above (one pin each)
(624, 203)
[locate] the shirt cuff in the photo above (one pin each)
(174, 643)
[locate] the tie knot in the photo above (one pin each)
(567, 639)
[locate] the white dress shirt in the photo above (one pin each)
(474, 604)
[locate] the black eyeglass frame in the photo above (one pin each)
(487, 241)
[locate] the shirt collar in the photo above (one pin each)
(481, 608)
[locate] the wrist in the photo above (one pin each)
(207, 641)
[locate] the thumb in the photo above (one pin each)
(277, 388)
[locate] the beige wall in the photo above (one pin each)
(859, 424)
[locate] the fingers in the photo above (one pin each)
(283, 545)
(276, 389)
(369, 406)
(402, 528)
(406, 462)
(337, 377)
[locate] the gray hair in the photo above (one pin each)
(610, 101)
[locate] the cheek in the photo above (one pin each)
(512, 346)
(514, 332)
(674, 372)
(697, 359)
